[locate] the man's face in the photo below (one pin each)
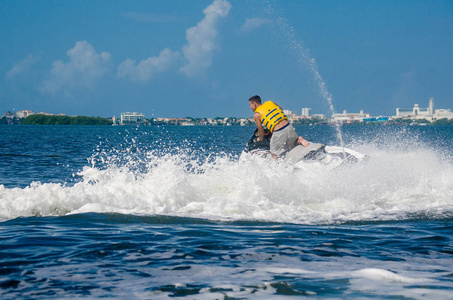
(253, 105)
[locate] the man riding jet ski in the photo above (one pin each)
(270, 115)
(283, 141)
(330, 156)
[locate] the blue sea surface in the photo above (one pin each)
(160, 212)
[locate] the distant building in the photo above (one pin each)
(346, 117)
(404, 112)
(443, 113)
(289, 112)
(244, 122)
(417, 111)
(9, 115)
(133, 118)
(306, 111)
(319, 116)
(24, 113)
(428, 113)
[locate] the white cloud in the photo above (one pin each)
(22, 66)
(83, 69)
(201, 38)
(148, 67)
(253, 24)
(197, 53)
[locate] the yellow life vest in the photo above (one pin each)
(271, 114)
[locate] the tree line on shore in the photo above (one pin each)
(40, 119)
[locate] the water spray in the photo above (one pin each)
(304, 58)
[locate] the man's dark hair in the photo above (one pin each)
(256, 99)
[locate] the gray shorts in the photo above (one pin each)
(283, 140)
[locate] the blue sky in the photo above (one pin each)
(178, 58)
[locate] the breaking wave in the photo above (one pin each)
(401, 181)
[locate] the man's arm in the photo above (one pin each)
(257, 118)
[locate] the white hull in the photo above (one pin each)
(329, 156)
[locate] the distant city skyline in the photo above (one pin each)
(417, 111)
(206, 58)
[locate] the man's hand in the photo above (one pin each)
(303, 141)
(257, 118)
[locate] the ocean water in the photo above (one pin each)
(161, 212)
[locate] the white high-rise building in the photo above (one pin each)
(306, 111)
(431, 105)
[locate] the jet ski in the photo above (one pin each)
(330, 156)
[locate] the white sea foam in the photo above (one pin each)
(386, 276)
(397, 183)
(383, 282)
